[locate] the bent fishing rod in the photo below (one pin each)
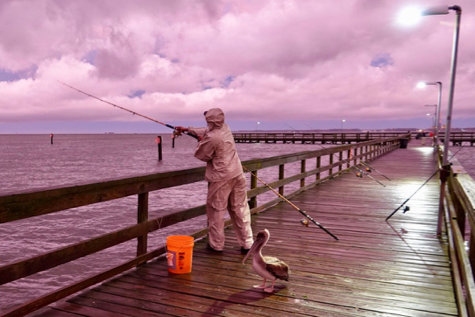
(176, 133)
(407, 207)
(291, 204)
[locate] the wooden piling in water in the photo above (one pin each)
(158, 140)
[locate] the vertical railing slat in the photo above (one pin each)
(142, 216)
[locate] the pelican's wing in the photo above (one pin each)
(277, 267)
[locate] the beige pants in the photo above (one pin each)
(228, 196)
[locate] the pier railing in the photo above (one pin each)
(456, 138)
(313, 137)
(459, 212)
(33, 204)
(460, 138)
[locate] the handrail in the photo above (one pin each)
(457, 137)
(37, 203)
(305, 137)
(459, 203)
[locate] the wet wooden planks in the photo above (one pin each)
(377, 268)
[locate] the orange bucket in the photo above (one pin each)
(179, 254)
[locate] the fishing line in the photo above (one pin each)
(407, 207)
(175, 131)
(291, 204)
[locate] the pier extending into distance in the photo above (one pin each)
(456, 138)
(398, 267)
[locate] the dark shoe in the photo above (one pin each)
(209, 247)
(244, 251)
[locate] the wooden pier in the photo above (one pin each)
(377, 268)
(456, 138)
(313, 137)
(395, 268)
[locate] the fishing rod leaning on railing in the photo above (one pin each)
(407, 208)
(360, 171)
(291, 204)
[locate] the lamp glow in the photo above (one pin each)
(410, 16)
(421, 85)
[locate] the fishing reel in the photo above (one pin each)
(368, 170)
(360, 175)
(406, 208)
(304, 222)
(177, 133)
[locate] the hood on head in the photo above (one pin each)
(214, 118)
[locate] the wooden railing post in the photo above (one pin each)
(330, 171)
(253, 201)
(319, 163)
(302, 170)
(471, 250)
(142, 216)
(340, 158)
(281, 176)
(348, 155)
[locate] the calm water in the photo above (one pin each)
(30, 162)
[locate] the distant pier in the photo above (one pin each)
(456, 138)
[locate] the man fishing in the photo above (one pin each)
(226, 181)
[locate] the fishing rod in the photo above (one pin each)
(372, 168)
(176, 133)
(361, 172)
(369, 167)
(291, 204)
(407, 208)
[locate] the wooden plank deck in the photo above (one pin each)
(377, 268)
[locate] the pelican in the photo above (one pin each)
(267, 267)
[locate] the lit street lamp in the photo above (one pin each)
(437, 116)
(433, 123)
(438, 10)
(342, 121)
(458, 12)
(257, 124)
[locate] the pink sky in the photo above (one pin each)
(305, 64)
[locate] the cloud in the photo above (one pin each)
(278, 60)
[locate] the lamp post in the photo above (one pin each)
(433, 122)
(342, 121)
(444, 172)
(437, 116)
(458, 12)
(257, 124)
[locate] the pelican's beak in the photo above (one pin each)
(253, 247)
(259, 240)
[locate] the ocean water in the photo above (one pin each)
(30, 163)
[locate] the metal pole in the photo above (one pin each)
(438, 114)
(445, 167)
(458, 12)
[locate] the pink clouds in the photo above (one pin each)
(279, 60)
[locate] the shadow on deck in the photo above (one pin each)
(377, 268)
